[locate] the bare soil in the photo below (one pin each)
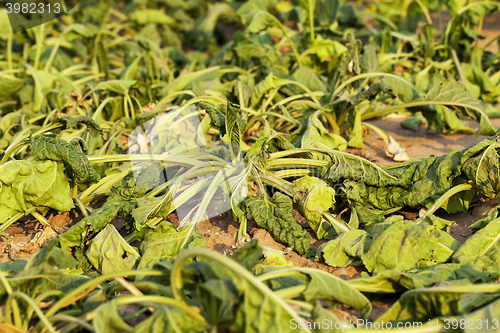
(27, 235)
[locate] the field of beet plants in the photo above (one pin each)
(251, 166)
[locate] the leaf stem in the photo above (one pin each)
(459, 68)
(442, 199)
(9, 51)
(71, 319)
(27, 299)
(39, 42)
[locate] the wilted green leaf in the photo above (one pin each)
(313, 197)
(90, 225)
(109, 252)
(274, 257)
(396, 281)
(9, 85)
(145, 16)
(118, 86)
(275, 215)
(164, 242)
(248, 255)
(317, 133)
(401, 88)
(406, 245)
(413, 123)
(217, 119)
(26, 184)
(107, 318)
(420, 305)
(479, 244)
(483, 167)
(170, 320)
(455, 95)
(44, 147)
(74, 122)
(346, 249)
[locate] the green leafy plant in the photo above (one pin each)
(281, 90)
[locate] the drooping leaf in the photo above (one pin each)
(45, 271)
(44, 147)
(102, 60)
(109, 252)
(348, 166)
(374, 90)
(248, 255)
(275, 215)
(420, 305)
(328, 287)
(248, 9)
(269, 144)
(217, 119)
(186, 79)
(401, 88)
(235, 126)
(475, 75)
(369, 60)
(221, 298)
(78, 234)
(346, 249)
(42, 278)
(483, 167)
(118, 86)
(417, 183)
(261, 20)
(327, 319)
(396, 281)
(27, 184)
(52, 255)
(455, 95)
(308, 78)
(13, 267)
(164, 242)
(317, 133)
(150, 207)
(409, 244)
(326, 49)
(280, 282)
(313, 197)
(131, 71)
(274, 257)
(107, 318)
(261, 88)
(156, 16)
(74, 122)
(479, 224)
(413, 123)
(479, 244)
(9, 85)
(44, 81)
(451, 123)
(489, 313)
(258, 313)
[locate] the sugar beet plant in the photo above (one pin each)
(271, 89)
